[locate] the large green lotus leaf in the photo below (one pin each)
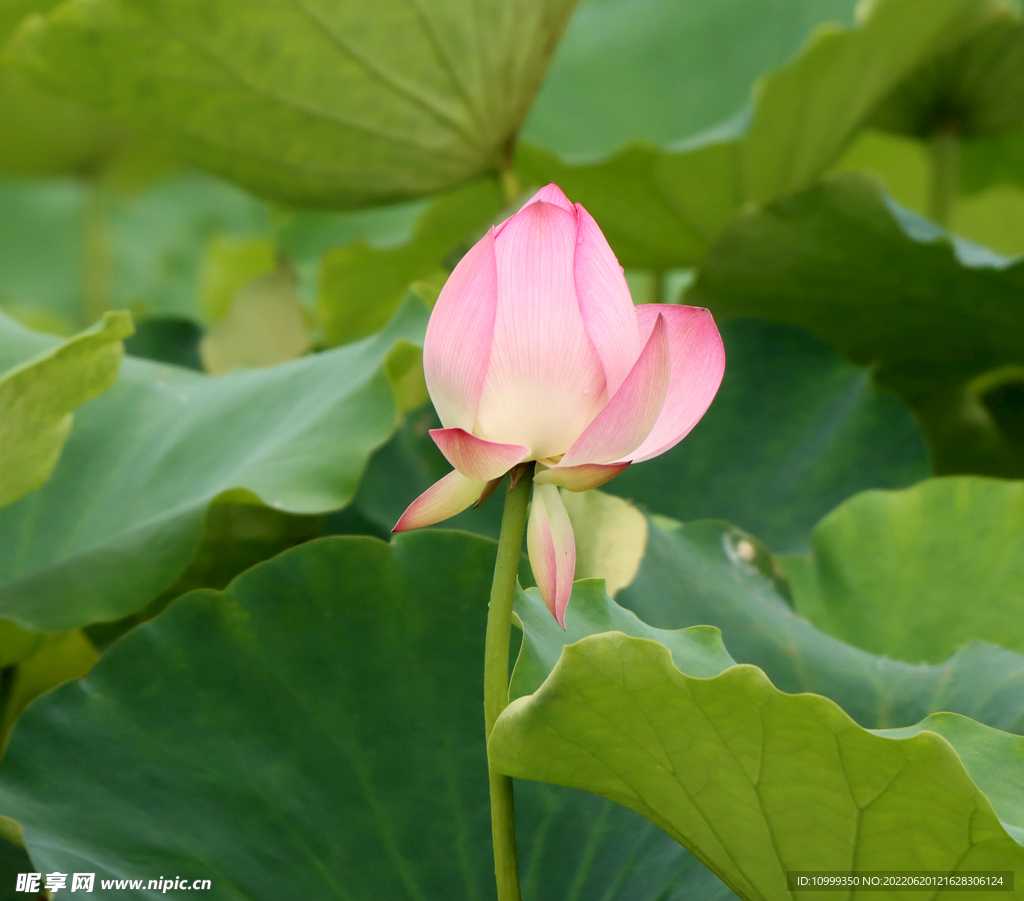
(793, 431)
(123, 513)
(660, 71)
(887, 289)
(43, 134)
(890, 571)
(661, 207)
(712, 573)
(756, 782)
(878, 284)
(235, 537)
(314, 731)
(315, 102)
(37, 397)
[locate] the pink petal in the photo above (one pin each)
(608, 311)
(580, 478)
(552, 548)
(457, 345)
(545, 382)
(476, 458)
(440, 501)
(698, 363)
(551, 194)
(631, 414)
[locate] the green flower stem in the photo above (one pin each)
(499, 630)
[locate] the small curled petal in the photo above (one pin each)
(582, 477)
(552, 548)
(442, 500)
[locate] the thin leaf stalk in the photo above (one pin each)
(95, 251)
(507, 174)
(499, 631)
(944, 152)
(660, 288)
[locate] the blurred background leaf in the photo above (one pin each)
(123, 515)
(174, 243)
(950, 138)
(889, 571)
(42, 133)
(37, 396)
(347, 104)
(660, 208)
(888, 290)
(264, 325)
(660, 71)
(361, 286)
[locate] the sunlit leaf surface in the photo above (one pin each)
(123, 513)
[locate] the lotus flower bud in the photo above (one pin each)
(535, 351)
